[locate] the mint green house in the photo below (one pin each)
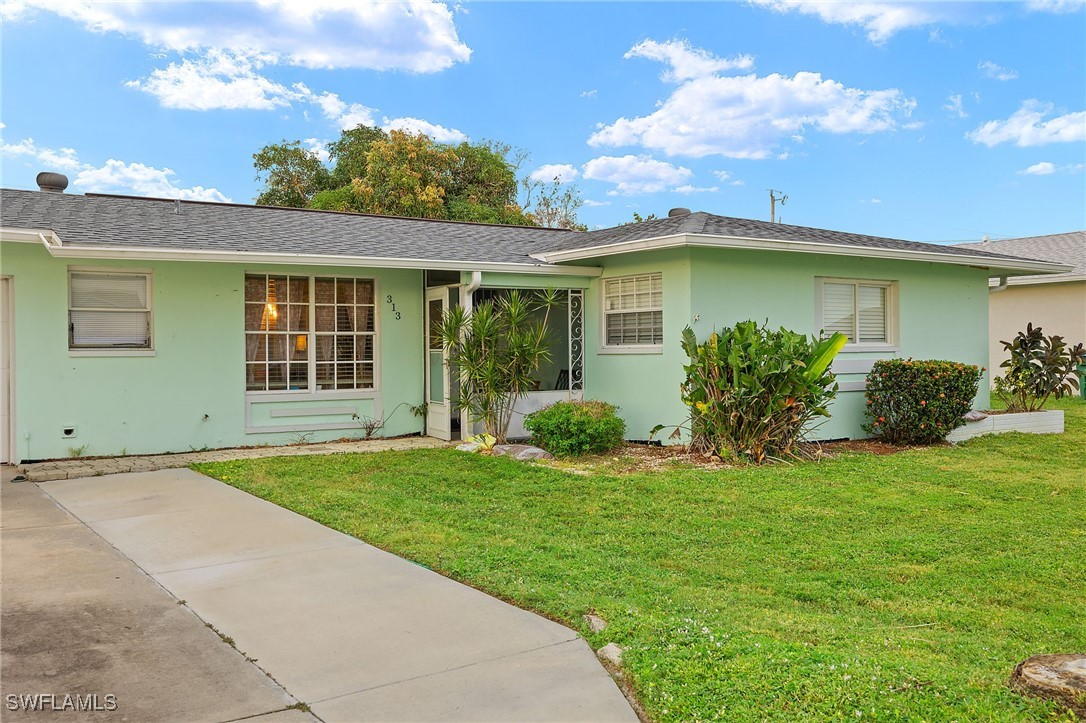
(136, 325)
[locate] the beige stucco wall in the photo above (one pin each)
(1058, 308)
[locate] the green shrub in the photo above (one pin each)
(1039, 367)
(572, 428)
(751, 391)
(917, 401)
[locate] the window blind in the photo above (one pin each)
(838, 310)
(633, 310)
(871, 301)
(108, 310)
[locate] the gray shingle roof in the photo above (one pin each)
(130, 222)
(124, 221)
(1061, 248)
(701, 222)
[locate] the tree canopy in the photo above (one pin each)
(396, 173)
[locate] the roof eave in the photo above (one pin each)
(997, 267)
(60, 250)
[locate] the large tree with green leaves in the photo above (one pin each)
(404, 174)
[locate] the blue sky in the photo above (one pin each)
(930, 121)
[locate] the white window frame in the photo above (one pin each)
(606, 348)
(284, 395)
(148, 276)
(891, 286)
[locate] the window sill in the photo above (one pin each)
(881, 348)
(111, 352)
(631, 349)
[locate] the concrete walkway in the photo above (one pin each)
(356, 633)
(75, 467)
(79, 618)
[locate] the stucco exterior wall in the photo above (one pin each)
(941, 313)
(145, 404)
(1058, 308)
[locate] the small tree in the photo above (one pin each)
(496, 351)
(1039, 367)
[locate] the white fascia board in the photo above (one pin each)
(997, 267)
(160, 254)
(1054, 279)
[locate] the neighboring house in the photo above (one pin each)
(1054, 302)
(137, 325)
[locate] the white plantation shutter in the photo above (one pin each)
(872, 316)
(634, 310)
(109, 310)
(838, 309)
(859, 310)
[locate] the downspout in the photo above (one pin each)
(467, 293)
(998, 287)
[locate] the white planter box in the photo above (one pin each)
(1046, 422)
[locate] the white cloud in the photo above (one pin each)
(344, 115)
(746, 116)
(722, 175)
(636, 174)
(1056, 6)
(1025, 127)
(136, 178)
(593, 204)
(1044, 168)
(881, 20)
(416, 35)
(441, 134)
(61, 159)
(873, 200)
(954, 106)
(1047, 168)
(688, 189)
(113, 176)
(589, 93)
(318, 148)
(686, 62)
(738, 182)
(218, 80)
(547, 173)
(997, 72)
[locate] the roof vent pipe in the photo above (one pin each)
(52, 182)
(678, 212)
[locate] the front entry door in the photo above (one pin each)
(439, 408)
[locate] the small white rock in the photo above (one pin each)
(595, 623)
(610, 653)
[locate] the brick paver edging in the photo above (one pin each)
(82, 467)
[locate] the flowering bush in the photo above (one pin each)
(918, 402)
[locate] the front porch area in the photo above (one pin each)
(560, 378)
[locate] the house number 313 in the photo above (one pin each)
(388, 300)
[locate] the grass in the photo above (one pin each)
(887, 587)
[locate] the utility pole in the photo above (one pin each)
(774, 199)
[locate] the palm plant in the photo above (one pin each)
(496, 350)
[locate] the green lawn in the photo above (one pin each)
(893, 587)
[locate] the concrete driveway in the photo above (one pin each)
(354, 632)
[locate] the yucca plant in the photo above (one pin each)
(496, 351)
(753, 391)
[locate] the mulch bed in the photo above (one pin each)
(648, 457)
